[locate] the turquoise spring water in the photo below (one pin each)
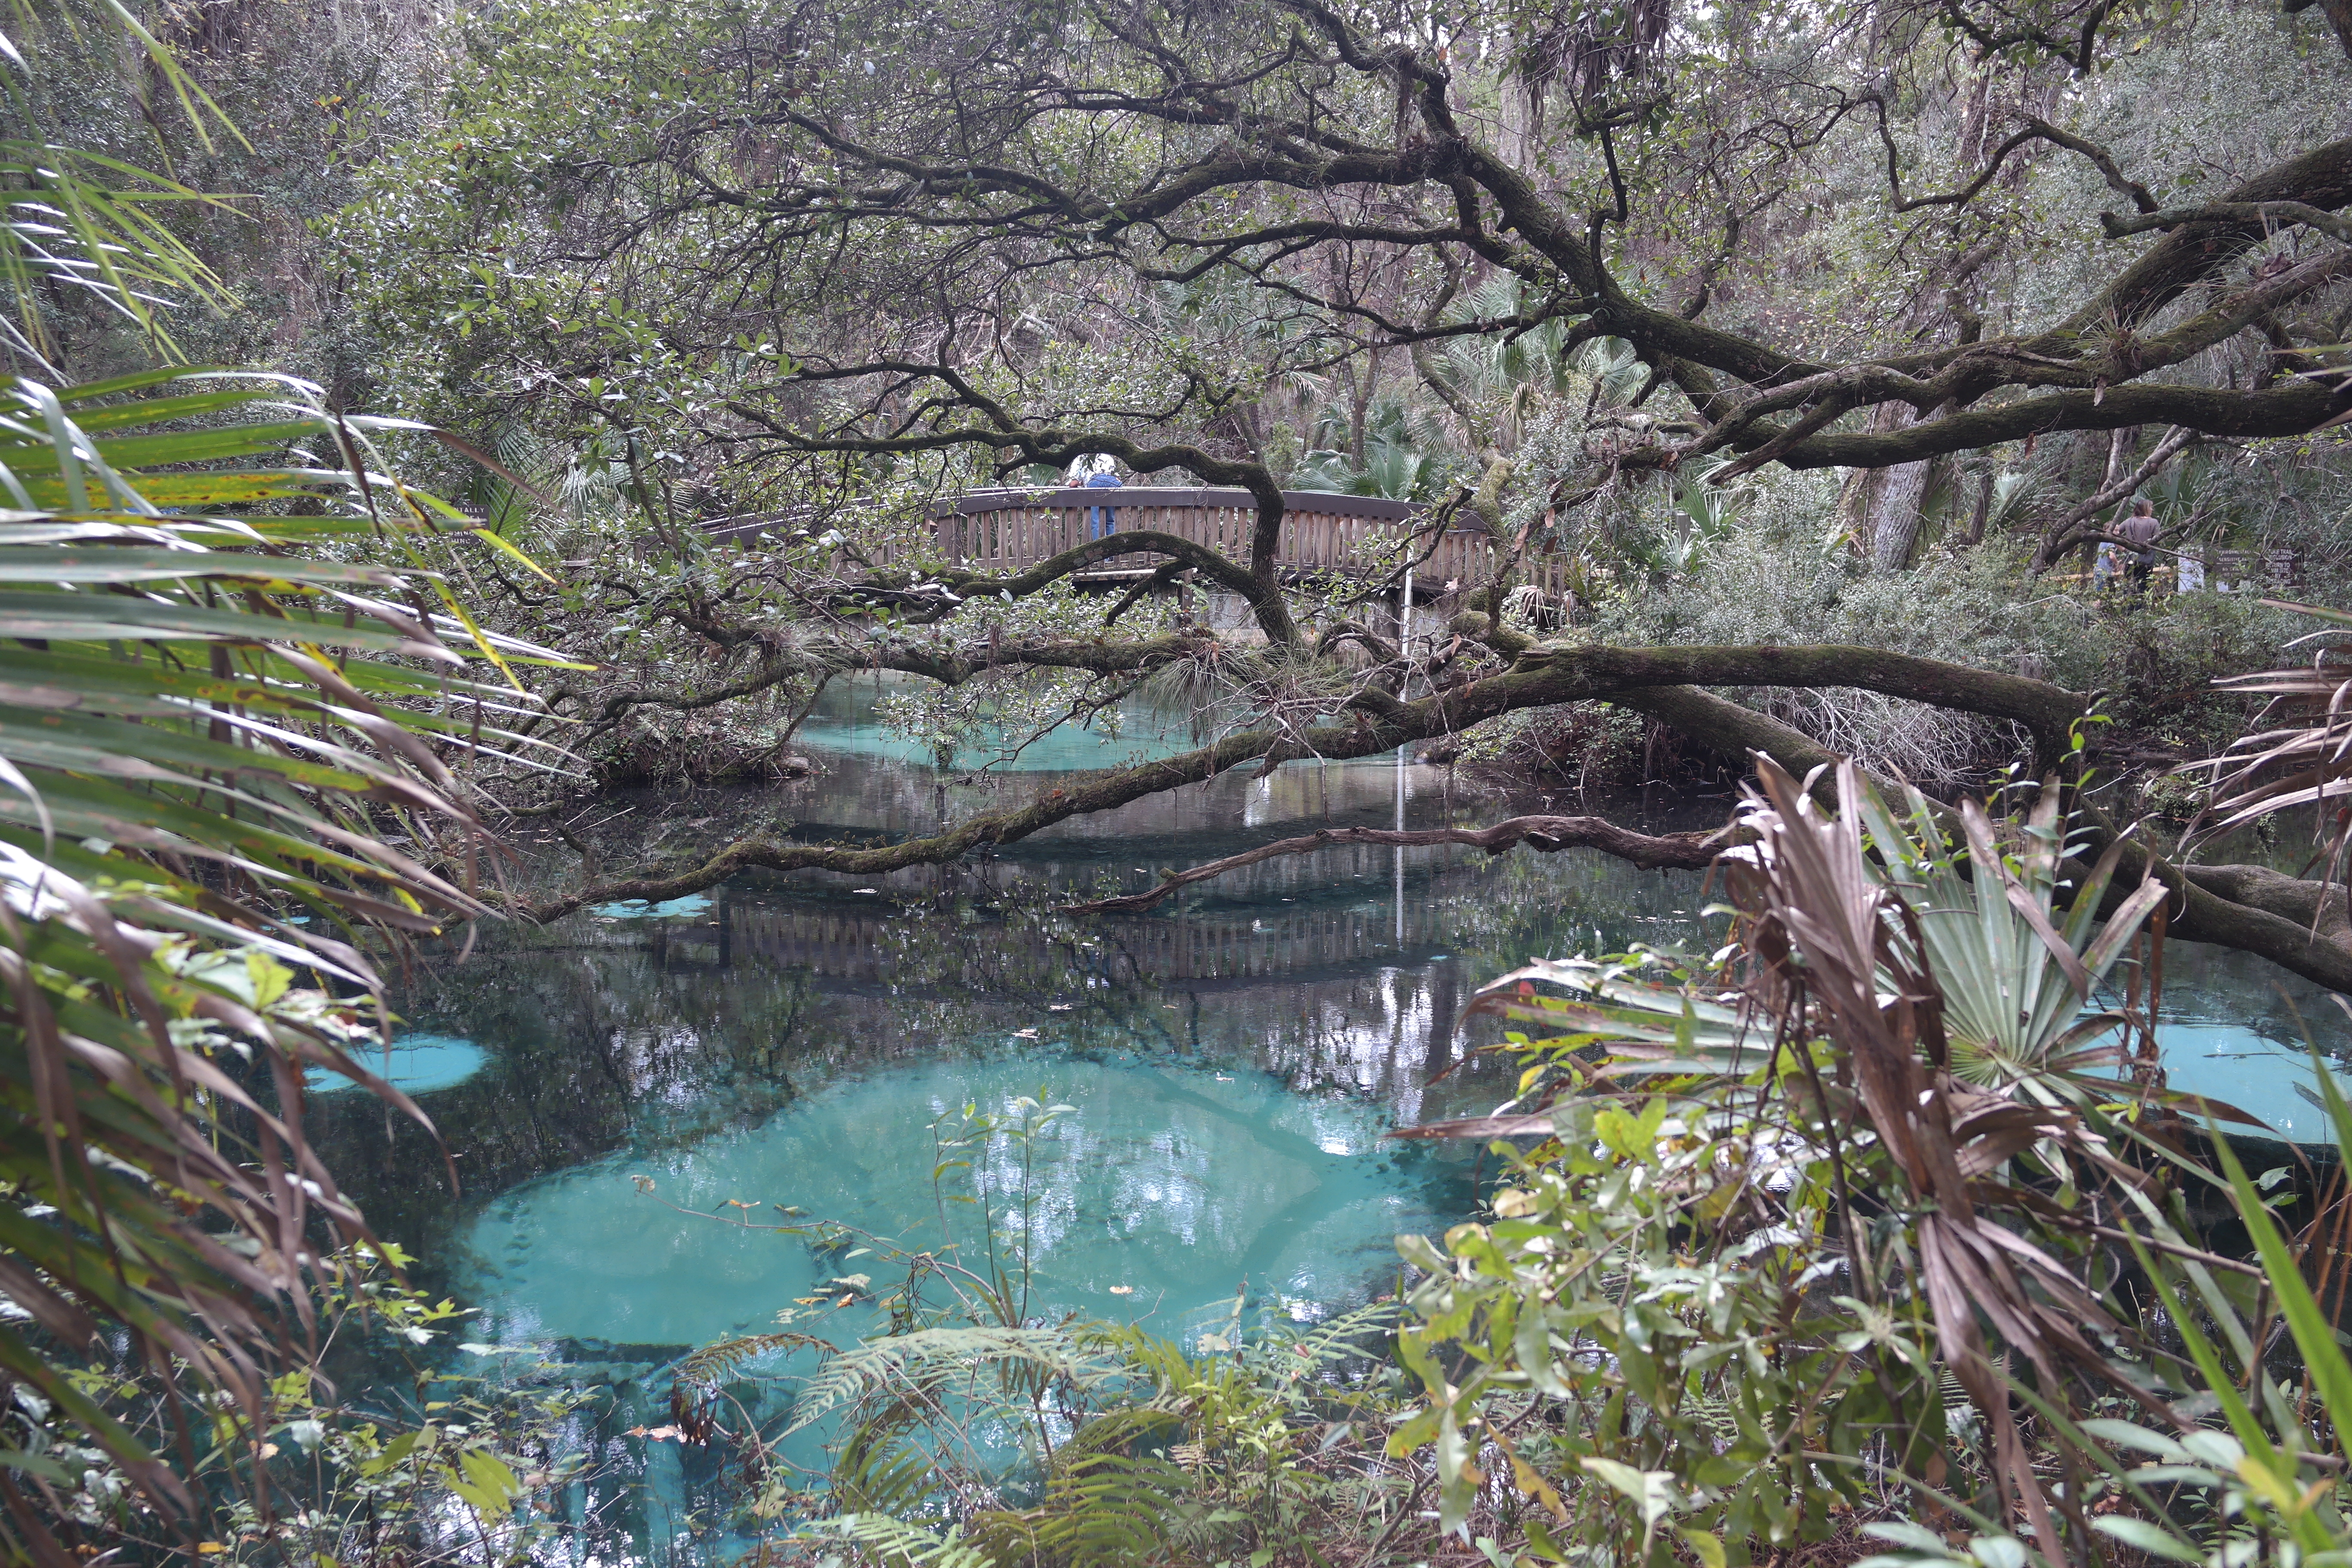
(416, 1063)
(667, 910)
(842, 725)
(2270, 1078)
(1162, 1189)
(634, 1097)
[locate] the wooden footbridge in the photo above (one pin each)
(1323, 531)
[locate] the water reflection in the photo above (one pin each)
(648, 1030)
(844, 724)
(639, 1029)
(416, 1064)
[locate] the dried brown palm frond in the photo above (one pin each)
(2299, 754)
(1841, 951)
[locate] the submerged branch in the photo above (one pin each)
(1684, 851)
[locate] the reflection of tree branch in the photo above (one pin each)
(1686, 851)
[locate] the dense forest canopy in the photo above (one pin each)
(1829, 329)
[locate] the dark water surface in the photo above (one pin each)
(650, 1091)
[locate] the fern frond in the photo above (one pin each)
(898, 1545)
(876, 1473)
(1101, 1509)
(1340, 1338)
(879, 1366)
(1121, 1430)
(714, 1362)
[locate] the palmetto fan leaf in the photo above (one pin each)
(210, 722)
(2015, 970)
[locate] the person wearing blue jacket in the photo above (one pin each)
(1102, 520)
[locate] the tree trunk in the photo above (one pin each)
(1880, 507)
(1895, 532)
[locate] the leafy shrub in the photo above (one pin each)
(1871, 1224)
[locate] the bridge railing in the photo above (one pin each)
(1322, 530)
(1011, 529)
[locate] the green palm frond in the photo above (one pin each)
(77, 221)
(2016, 971)
(202, 688)
(212, 719)
(1652, 1027)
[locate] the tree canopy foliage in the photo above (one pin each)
(1628, 288)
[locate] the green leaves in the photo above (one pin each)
(485, 1482)
(1694, 1164)
(2016, 973)
(208, 721)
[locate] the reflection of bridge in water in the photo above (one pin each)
(655, 1033)
(1184, 952)
(1357, 908)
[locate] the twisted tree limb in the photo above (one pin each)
(1541, 676)
(2292, 922)
(2298, 924)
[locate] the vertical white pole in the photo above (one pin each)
(1404, 647)
(1400, 855)
(1404, 629)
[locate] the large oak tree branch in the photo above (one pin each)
(2296, 924)
(1542, 677)
(2291, 409)
(2299, 925)
(1057, 448)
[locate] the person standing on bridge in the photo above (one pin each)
(1102, 520)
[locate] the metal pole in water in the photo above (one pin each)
(1404, 647)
